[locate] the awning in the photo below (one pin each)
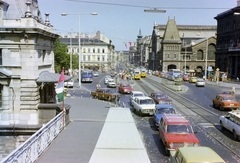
(49, 77)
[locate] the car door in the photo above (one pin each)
(162, 130)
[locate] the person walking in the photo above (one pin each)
(98, 86)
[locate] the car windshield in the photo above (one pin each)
(139, 95)
(165, 111)
(229, 98)
(125, 86)
(179, 129)
(147, 101)
(161, 96)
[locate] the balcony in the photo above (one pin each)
(237, 48)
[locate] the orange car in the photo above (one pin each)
(175, 131)
(225, 101)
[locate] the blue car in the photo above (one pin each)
(162, 109)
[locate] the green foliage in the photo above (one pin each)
(61, 57)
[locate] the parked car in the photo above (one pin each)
(195, 154)
(225, 101)
(160, 98)
(162, 109)
(175, 131)
(185, 77)
(105, 94)
(125, 88)
(231, 122)
(134, 94)
(200, 83)
(193, 79)
(143, 105)
(69, 84)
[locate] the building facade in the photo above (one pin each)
(26, 51)
(228, 42)
(97, 52)
(189, 48)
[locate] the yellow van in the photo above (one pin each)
(195, 154)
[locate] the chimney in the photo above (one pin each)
(47, 22)
(28, 12)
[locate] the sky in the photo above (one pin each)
(121, 20)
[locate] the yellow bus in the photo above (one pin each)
(143, 73)
(136, 74)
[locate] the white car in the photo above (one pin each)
(134, 94)
(69, 84)
(231, 122)
(200, 83)
(143, 105)
(95, 73)
(106, 79)
(111, 84)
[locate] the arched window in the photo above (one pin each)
(200, 55)
(211, 52)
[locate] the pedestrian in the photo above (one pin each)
(98, 86)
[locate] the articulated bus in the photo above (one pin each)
(87, 76)
(143, 73)
(137, 74)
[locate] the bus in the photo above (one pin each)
(143, 73)
(136, 74)
(175, 72)
(86, 76)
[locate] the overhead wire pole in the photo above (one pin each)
(79, 43)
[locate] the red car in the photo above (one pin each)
(185, 77)
(160, 98)
(125, 88)
(175, 131)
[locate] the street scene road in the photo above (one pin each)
(206, 125)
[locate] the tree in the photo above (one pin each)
(61, 57)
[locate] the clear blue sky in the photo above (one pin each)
(121, 23)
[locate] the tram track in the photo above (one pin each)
(203, 115)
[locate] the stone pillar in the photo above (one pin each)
(5, 98)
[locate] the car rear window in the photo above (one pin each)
(179, 129)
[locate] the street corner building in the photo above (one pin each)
(26, 62)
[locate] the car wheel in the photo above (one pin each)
(213, 105)
(221, 107)
(140, 113)
(167, 151)
(221, 126)
(235, 135)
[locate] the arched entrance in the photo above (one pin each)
(172, 67)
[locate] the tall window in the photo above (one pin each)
(93, 50)
(84, 50)
(0, 56)
(103, 51)
(200, 55)
(98, 50)
(1, 88)
(211, 54)
(44, 54)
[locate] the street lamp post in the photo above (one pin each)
(206, 60)
(71, 54)
(79, 43)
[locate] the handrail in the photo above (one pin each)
(33, 147)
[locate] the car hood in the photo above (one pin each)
(182, 138)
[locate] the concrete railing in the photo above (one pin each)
(33, 147)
